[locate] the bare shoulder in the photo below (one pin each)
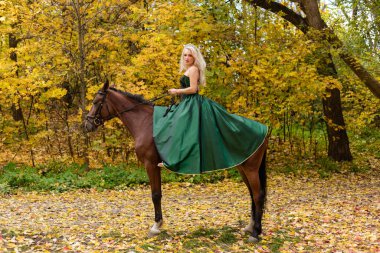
(193, 72)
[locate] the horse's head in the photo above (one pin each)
(109, 103)
(100, 111)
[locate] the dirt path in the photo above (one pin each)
(341, 214)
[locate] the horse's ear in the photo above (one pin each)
(106, 85)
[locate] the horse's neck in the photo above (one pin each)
(138, 119)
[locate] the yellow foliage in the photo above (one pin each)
(258, 66)
(53, 92)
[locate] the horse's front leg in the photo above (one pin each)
(154, 174)
(249, 227)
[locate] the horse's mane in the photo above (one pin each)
(138, 98)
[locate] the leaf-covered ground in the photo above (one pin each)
(304, 214)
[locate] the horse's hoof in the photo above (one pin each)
(155, 229)
(248, 229)
(252, 239)
(153, 233)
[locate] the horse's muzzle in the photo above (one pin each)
(89, 126)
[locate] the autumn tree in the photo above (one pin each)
(315, 28)
(360, 19)
(19, 94)
(70, 47)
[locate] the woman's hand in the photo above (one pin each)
(173, 91)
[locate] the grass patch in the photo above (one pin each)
(196, 244)
(300, 156)
(367, 141)
(5, 233)
(59, 177)
(326, 167)
(203, 232)
(149, 247)
(203, 237)
(164, 235)
(279, 238)
(355, 168)
(227, 235)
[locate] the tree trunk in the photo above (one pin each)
(81, 75)
(16, 110)
(339, 149)
(17, 113)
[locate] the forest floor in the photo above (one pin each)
(303, 214)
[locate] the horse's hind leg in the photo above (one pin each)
(249, 227)
(257, 207)
(254, 170)
(154, 174)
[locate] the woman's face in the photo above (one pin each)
(188, 57)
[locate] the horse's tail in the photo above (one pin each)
(263, 179)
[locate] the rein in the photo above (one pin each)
(99, 120)
(142, 103)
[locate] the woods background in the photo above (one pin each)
(312, 74)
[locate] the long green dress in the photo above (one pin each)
(198, 135)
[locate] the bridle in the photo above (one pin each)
(98, 120)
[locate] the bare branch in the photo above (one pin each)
(304, 24)
(283, 11)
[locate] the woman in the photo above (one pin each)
(199, 135)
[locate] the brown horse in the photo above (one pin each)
(137, 115)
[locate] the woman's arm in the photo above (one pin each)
(194, 76)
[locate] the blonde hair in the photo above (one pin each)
(199, 62)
